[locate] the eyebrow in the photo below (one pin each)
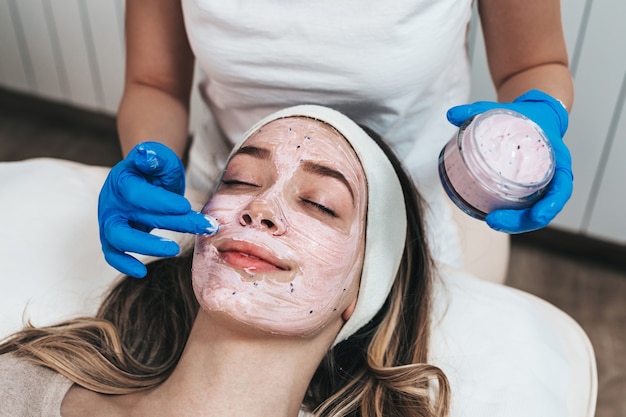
(308, 166)
(254, 151)
(325, 171)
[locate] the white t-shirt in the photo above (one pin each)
(396, 67)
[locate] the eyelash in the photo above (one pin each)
(237, 182)
(319, 207)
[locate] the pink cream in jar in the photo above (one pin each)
(500, 159)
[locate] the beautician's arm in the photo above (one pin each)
(526, 48)
(159, 74)
(146, 189)
(529, 67)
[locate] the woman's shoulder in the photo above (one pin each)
(27, 389)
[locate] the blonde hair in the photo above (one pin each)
(134, 341)
(137, 337)
(383, 369)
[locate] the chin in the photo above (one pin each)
(274, 319)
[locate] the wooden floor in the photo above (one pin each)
(593, 293)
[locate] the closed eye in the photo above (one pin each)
(319, 207)
(235, 183)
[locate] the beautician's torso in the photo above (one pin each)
(394, 67)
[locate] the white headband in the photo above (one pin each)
(386, 213)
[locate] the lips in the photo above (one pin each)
(249, 256)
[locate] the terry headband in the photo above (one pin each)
(385, 231)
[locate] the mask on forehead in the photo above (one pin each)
(292, 206)
(386, 213)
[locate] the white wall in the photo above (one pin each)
(65, 50)
(72, 51)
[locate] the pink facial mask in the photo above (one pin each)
(280, 262)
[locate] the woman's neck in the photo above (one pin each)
(227, 371)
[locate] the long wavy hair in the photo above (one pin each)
(136, 338)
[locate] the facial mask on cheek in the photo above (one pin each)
(314, 256)
(297, 302)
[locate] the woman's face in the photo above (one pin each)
(292, 208)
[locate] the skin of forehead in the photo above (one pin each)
(310, 128)
(302, 123)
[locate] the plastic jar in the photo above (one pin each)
(500, 159)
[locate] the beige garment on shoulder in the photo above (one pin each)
(28, 390)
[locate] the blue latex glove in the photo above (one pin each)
(143, 192)
(552, 117)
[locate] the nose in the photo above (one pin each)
(265, 215)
